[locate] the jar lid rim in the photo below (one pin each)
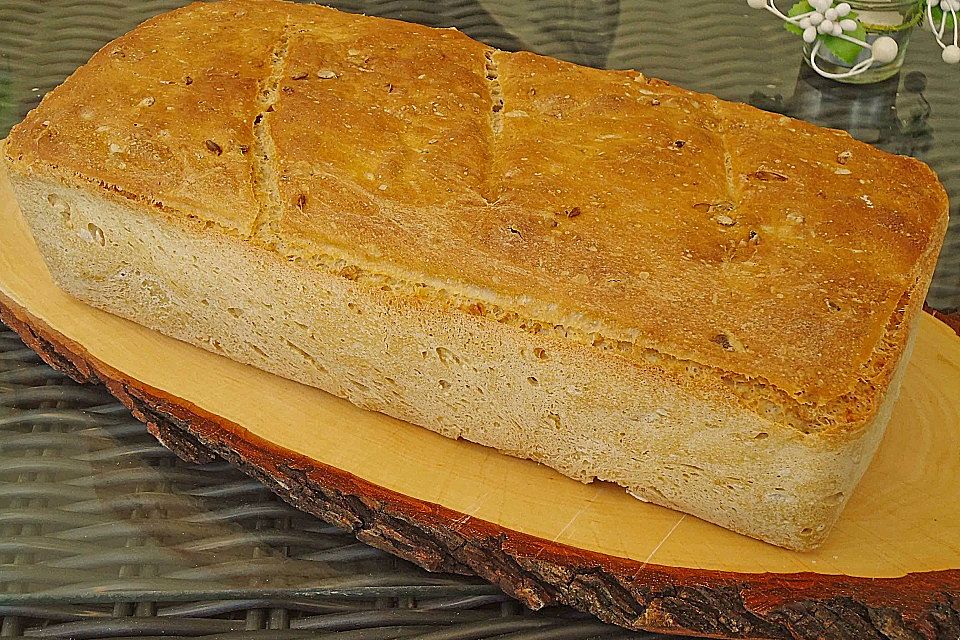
(880, 5)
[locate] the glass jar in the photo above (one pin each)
(894, 18)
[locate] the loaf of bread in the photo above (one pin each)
(707, 304)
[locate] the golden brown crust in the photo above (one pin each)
(599, 202)
(164, 113)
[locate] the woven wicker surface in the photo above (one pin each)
(104, 533)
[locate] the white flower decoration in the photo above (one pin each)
(838, 21)
(828, 19)
(946, 5)
(948, 11)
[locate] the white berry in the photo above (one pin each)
(933, 3)
(757, 4)
(951, 54)
(843, 9)
(809, 34)
(950, 4)
(884, 49)
(848, 25)
(837, 29)
(831, 15)
(816, 18)
(805, 23)
(821, 5)
(825, 27)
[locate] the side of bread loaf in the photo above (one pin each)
(294, 192)
(659, 433)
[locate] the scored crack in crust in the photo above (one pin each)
(760, 263)
(264, 168)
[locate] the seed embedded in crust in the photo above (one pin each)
(724, 341)
(475, 308)
(768, 176)
(213, 147)
(350, 272)
(710, 207)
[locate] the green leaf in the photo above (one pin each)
(846, 51)
(937, 14)
(801, 7)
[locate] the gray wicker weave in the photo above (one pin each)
(104, 533)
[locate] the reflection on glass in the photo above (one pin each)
(877, 113)
(580, 31)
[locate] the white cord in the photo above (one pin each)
(933, 28)
(772, 8)
(856, 69)
(938, 32)
(856, 41)
(951, 51)
(953, 12)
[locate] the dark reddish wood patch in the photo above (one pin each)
(952, 320)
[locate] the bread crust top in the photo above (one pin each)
(615, 208)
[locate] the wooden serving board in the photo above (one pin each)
(890, 569)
